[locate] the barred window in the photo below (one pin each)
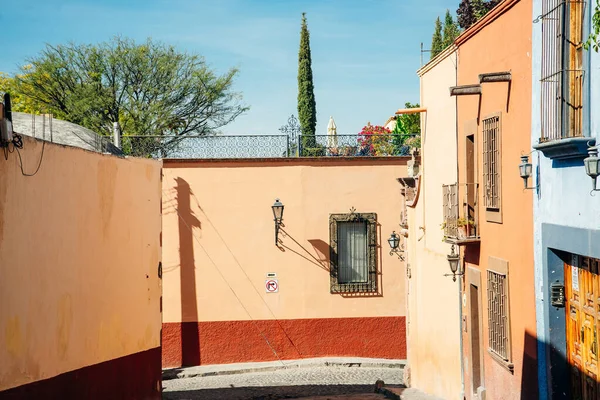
(498, 324)
(491, 162)
(353, 242)
(562, 69)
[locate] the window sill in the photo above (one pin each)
(461, 241)
(510, 367)
(563, 149)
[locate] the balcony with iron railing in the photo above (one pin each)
(461, 222)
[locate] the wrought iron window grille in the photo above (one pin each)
(370, 284)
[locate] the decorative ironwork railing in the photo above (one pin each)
(562, 69)
(460, 218)
(269, 146)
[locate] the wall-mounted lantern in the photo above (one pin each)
(525, 169)
(278, 217)
(394, 242)
(454, 262)
(592, 165)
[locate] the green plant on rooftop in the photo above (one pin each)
(375, 140)
(407, 132)
(592, 41)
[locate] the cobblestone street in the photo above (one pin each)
(289, 383)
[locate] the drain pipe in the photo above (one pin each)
(460, 294)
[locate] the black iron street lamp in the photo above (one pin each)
(394, 242)
(278, 217)
(454, 262)
(525, 169)
(592, 165)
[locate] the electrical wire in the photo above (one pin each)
(18, 144)
(235, 294)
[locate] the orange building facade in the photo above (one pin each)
(488, 214)
(232, 294)
(80, 291)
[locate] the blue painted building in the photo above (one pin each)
(565, 122)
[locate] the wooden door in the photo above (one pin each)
(582, 287)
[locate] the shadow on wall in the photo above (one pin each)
(321, 248)
(529, 378)
(321, 257)
(190, 328)
(190, 335)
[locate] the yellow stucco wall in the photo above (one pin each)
(434, 328)
(79, 255)
(227, 206)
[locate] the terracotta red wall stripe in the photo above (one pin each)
(241, 341)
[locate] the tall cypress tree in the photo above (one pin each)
(437, 41)
(451, 31)
(307, 111)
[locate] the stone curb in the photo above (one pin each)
(390, 395)
(233, 369)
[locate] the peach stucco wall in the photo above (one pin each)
(79, 255)
(217, 216)
(503, 44)
(434, 328)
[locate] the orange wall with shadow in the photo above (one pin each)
(79, 265)
(219, 246)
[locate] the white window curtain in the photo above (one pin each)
(352, 252)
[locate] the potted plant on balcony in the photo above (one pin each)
(465, 227)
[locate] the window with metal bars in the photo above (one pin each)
(498, 327)
(491, 162)
(562, 73)
(353, 243)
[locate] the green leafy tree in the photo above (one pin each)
(19, 102)
(147, 88)
(482, 7)
(407, 132)
(465, 14)
(451, 30)
(437, 42)
(470, 11)
(592, 41)
(307, 110)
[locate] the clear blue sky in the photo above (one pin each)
(365, 52)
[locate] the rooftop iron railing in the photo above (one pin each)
(269, 146)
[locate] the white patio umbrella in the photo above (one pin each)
(331, 134)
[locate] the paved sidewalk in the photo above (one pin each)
(309, 379)
(407, 394)
(242, 368)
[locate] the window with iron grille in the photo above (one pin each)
(353, 243)
(562, 73)
(498, 315)
(491, 162)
